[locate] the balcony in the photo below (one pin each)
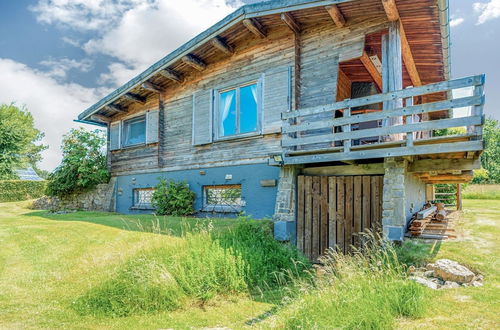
(353, 129)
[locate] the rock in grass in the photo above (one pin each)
(450, 285)
(425, 282)
(450, 270)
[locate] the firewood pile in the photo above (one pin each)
(431, 222)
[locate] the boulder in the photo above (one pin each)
(450, 270)
(426, 282)
(450, 285)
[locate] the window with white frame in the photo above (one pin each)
(222, 198)
(143, 197)
(134, 131)
(237, 110)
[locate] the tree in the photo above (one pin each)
(83, 165)
(490, 159)
(18, 140)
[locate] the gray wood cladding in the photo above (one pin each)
(114, 136)
(187, 130)
(276, 97)
(202, 117)
(152, 126)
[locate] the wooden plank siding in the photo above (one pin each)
(318, 42)
(334, 210)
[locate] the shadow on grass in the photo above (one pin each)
(176, 226)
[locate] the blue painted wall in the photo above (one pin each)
(260, 201)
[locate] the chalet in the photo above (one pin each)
(320, 114)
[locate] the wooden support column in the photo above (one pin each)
(459, 197)
(392, 73)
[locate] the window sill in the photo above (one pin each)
(135, 146)
(245, 136)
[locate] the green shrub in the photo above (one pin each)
(20, 190)
(266, 259)
(360, 291)
(83, 165)
(173, 198)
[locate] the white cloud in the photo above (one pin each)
(487, 11)
(86, 15)
(118, 74)
(53, 105)
(456, 21)
(58, 69)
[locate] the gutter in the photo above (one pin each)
(247, 11)
(444, 23)
(90, 122)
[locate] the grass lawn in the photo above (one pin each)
(47, 261)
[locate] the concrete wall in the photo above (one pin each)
(259, 200)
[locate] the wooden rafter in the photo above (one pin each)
(135, 98)
(149, 86)
(336, 15)
(222, 45)
(372, 69)
(101, 118)
(290, 22)
(172, 75)
(255, 27)
(392, 13)
(115, 108)
(194, 62)
(426, 165)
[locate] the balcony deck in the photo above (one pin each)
(313, 135)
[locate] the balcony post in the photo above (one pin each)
(392, 73)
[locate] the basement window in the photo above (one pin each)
(222, 198)
(142, 198)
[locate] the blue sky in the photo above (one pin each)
(58, 57)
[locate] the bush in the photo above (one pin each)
(173, 198)
(266, 259)
(83, 166)
(20, 190)
(360, 291)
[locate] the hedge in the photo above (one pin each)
(20, 190)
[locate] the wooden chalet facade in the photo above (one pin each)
(318, 113)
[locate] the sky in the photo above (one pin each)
(58, 57)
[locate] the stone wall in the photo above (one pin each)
(284, 214)
(403, 195)
(101, 198)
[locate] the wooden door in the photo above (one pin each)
(332, 210)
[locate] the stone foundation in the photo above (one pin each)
(101, 198)
(284, 215)
(393, 200)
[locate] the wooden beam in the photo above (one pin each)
(425, 165)
(172, 75)
(149, 86)
(101, 118)
(116, 108)
(222, 45)
(425, 213)
(194, 62)
(290, 22)
(336, 15)
(392, 13)
(361, 169)
(391, 10)
(255, 27)
(135, 98)
(372, 69)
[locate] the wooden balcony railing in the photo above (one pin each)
(312, 135)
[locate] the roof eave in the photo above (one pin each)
(247, 11)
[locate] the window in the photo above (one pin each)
(238, 110)
(142, 198)
(223, 198)
(134, 131)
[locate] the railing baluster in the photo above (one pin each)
(409, 120)
(347, 128)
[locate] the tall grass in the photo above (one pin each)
(202, 266)
(366, 290)
(481, 191)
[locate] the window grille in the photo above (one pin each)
(223, 198)
(142, 197)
